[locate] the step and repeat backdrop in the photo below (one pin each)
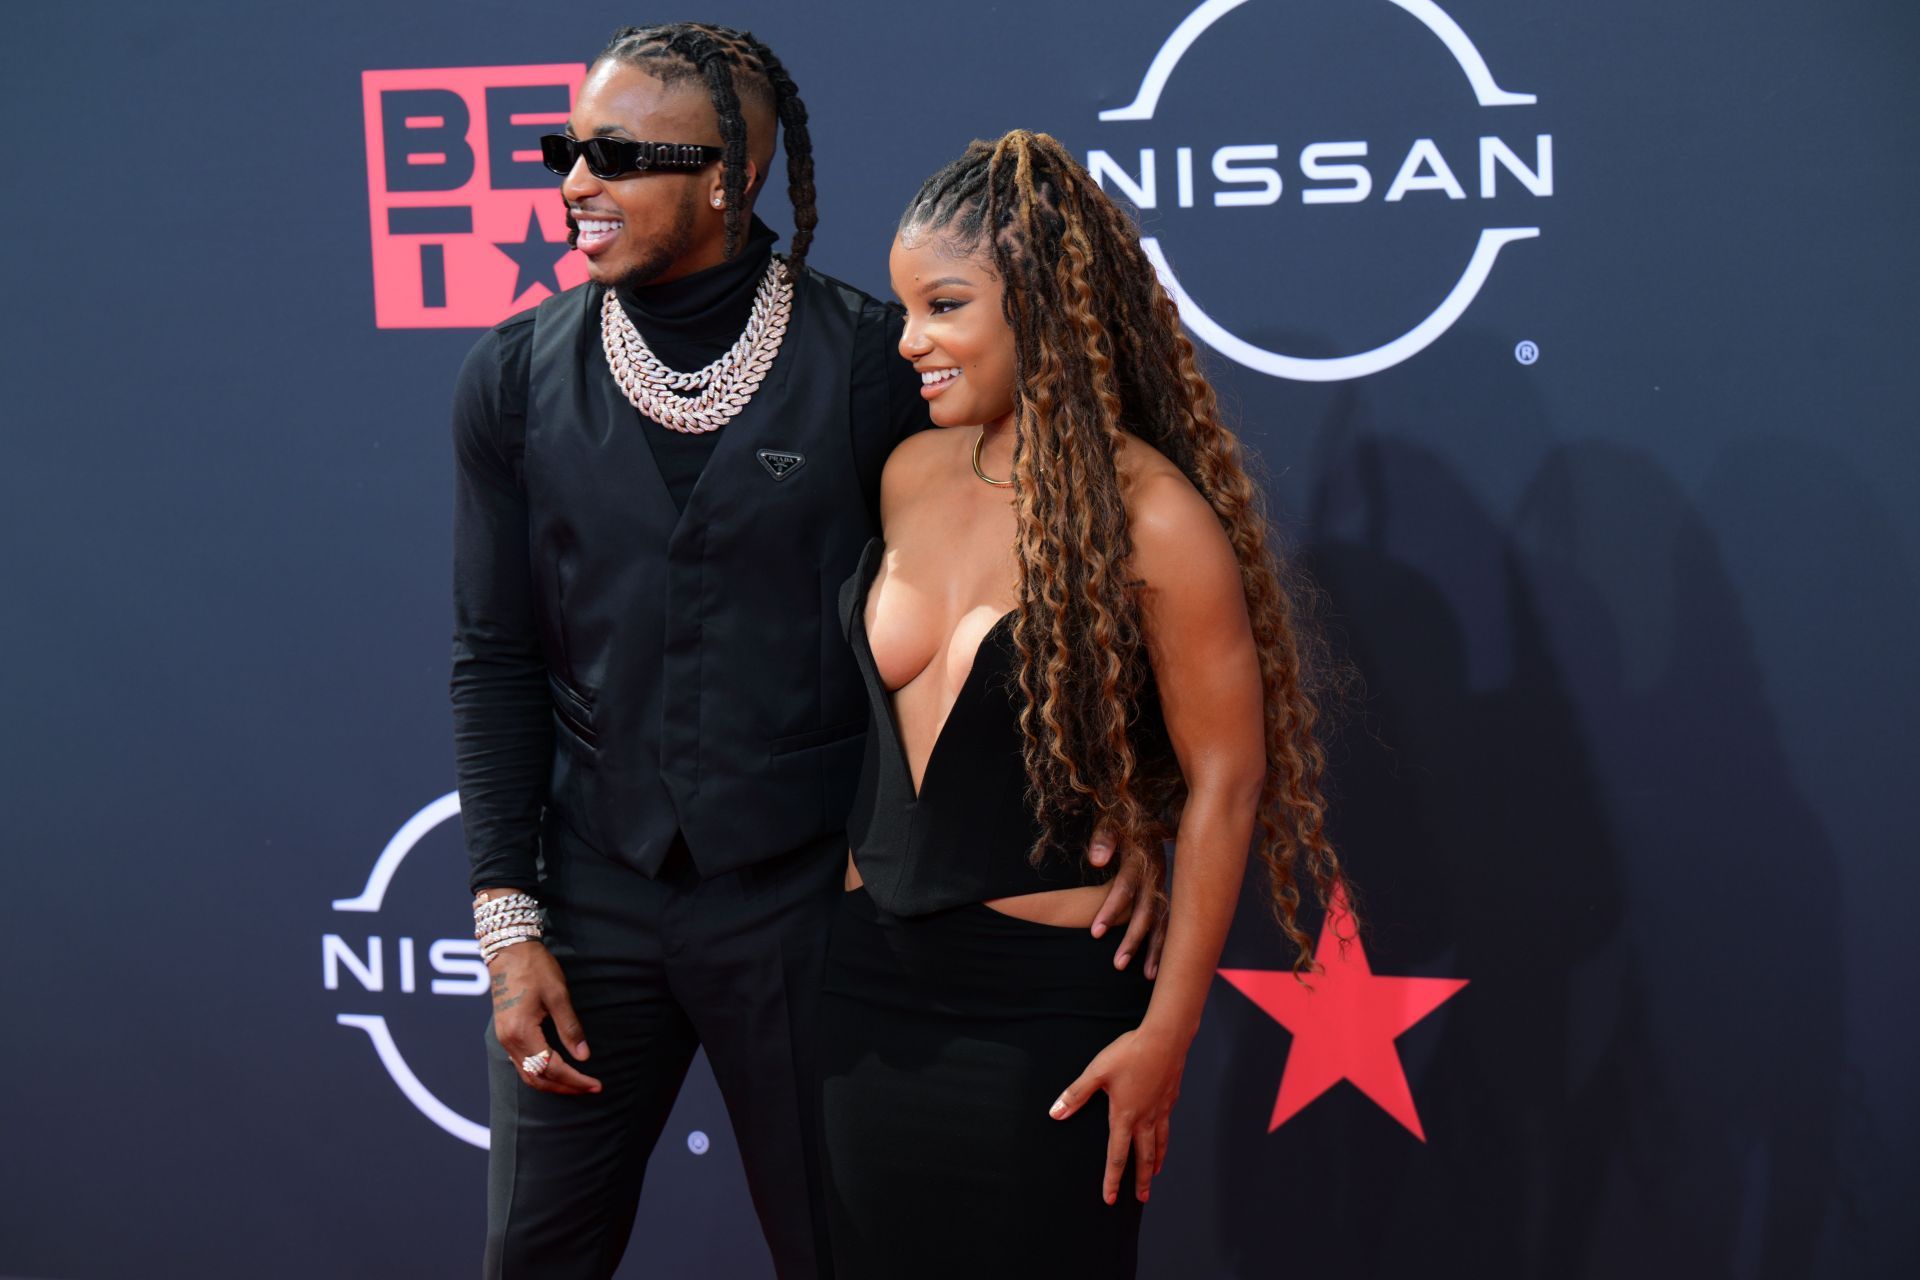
(1574, 341)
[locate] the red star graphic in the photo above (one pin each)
(1345, 1027)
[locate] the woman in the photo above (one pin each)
(1074, 619)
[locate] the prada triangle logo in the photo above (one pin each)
(779, 463)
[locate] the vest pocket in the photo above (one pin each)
(573, 711)
(817, 737)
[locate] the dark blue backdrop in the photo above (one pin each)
(1636, 620)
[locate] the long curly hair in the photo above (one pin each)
(1099, 352)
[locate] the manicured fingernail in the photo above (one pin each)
(1120, 961)
(580, 1050)
(1099, 928)
(1058, 1109)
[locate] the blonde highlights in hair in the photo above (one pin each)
(1099, 353)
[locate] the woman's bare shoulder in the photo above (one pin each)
(1161, 500)
(1177, 535)
(913, 463)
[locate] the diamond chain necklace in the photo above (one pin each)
(724, 387)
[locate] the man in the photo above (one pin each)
(662, 478)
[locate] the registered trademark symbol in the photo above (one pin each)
(1527, 352)
(697, 1143)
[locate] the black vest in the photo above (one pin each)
(700, 681)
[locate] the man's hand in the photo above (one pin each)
(528, 988)
(1122, 896)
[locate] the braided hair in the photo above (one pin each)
(1099, 353)
(729, 63)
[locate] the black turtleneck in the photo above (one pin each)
(690, 322)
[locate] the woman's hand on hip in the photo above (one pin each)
(1125, 901)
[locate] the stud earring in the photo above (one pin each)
(719, 202)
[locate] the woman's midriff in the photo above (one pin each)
(1065, 908)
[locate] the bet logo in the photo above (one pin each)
(410, 973)
(468, 225)
(1335, 181)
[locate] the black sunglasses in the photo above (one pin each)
(617, 157)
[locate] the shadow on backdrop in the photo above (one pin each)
(1563, 783)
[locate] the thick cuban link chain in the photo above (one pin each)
(723, 388)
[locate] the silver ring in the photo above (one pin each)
(536, 1064)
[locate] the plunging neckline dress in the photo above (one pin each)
(948, 1028)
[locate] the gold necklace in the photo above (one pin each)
(977, 442)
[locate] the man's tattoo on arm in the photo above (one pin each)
(500, 999)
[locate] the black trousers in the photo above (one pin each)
(655, 969)
(944, 1040)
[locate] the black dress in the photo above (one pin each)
(948, 1028)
